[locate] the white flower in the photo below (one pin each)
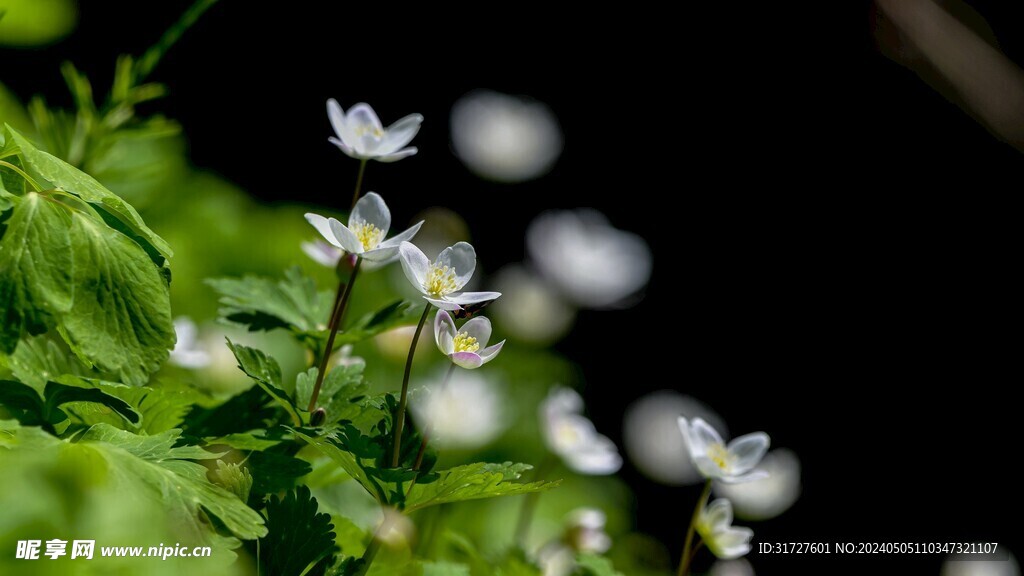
(593, 263)
(188, 352)
(573, 437)
(469, 412)
(363, 137)
(716, 461)
(505, 138)
(367, 226)
(463, 346)
(323, 253)
(769, 496)
(714, 524)
(441, 282)
(586, 533)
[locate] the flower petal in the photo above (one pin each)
(362, 116)
(479, 328)
(405, 236)
(716, 516)
(489, 353)
(747, 451)
(468, 360)
(473, 297)
(707, 467)
(322, 253)
(323, 226)
(396, 156)
(444, 332)
(443, 303)
(343, 147)
(400, 133)
(414, 264)
(337, 117)
(744, 478)
(598, 456)
(372, 210)
(346, 237)
(731, 543)
(462, 258)
(701, 436)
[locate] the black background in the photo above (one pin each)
(834, 241)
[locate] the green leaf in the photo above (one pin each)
(234, 478)
(274, 471)
(35, 260)
(472, 482)
(10, 180)
(120, 319)
(266, 372)
(392, 315)
(297, 537)
(39, 359)
(346, 460)
(255, 440)
(240, 413)
(341, 392)
(57, 395)
(593, 565)
(162, 407)
(265, 304)
(23, 403)
(445, 569)
(65, 176)
(153, 463)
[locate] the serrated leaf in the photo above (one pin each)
(35, 269)
(274, 471)
(162, 407)
(10, 180)
(265, 304)
(265, 370)
(120, 317)
(152, 463)
(472, 482)
(346, 460)
(65, 176)
(39, 359)
(390, 316)
(340, 393)
(255, 440)
(299, 540)
(234, 478)
(241, 413)
(57, 395)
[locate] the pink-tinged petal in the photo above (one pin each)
(443, 304)
(479, 328)
(346, 237)
(414, 264)
(323, 226)
(322, 253)
(473, 297)
(489, 353)
(396, 156)
(461, 257)
(468, 360)
(444, 332)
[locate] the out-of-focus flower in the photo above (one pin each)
(736, 567)
(531, 310)
(505, 138)
(323, 253)
(590, 261)
(716, 461)
(360, 134)
(650, 436)
(585, 531)
(441, 282)
(769, 496)
(980, 565)
(466, 347)
(714, 524)
(188, 351)
(573, 437)
(467, 413)
(367, 226)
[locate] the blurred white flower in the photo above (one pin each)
(441, 282)
(360, 134)
(573, 437)
(188, 350)
(714, 524)
(505, 138)
(769, 496)
(980, 565)
(323, 253)
(593, 263)
(650, 435)
(530, 309)
(467, 413)
(737, 567)
(556, 560)
(367, 226)
(585, 531)
(463, 346)
(716, 461)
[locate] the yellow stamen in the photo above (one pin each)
(368, 234)
(440, 281)
(369, 129)
(719, 455)
(465, 343)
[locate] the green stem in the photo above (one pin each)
(400, 416)
(21, 173)
(532, 499)
(371, 550)
(145, 65)
(334, 324)
(684, 562)
(696, 547)
(359, 184)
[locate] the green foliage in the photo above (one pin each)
(472, 482)
(265, 304)
(297, 537)
(342, 392)
(31, 410)
(39, 359)
(593, 565)
(234, 478)
(267, 373)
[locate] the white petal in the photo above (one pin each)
(400, 133)
(371, 209)
(597, 457)
(323, 226)
(396, 156)
(403, 237)
(744, 478)
(348, 150)
(462, 258)
(381, 256)
(716, 516)
(707, 467)
(362, 116)
(346, 237)
(337, 117)
(414, 264)
(701, 436)
(467, 360)
(747, 451)
(444, 332)
(322, 253)
(466, 298)
(562, 400)
(491, 352)
(442, 303)
(731, 543)
(479, 328)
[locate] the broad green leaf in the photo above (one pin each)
(340, 393)
(352, 539)
(445, 569)
(275, 470)
(299, 540)
(35, 269)
(57, 395)
(37, 360)
(346, 460)
(66, 177)
(593, 565)
(392, 315)
(22, 402)
(472, 482)
(120, 319)
(255, 440)
(241, 413)
(182, 486)
(162, 407)
(266, 372)
(10, 180)
(265, 304)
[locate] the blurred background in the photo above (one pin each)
(798, 221)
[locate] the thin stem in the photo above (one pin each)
(359, 183)
(21, 173)
(371, 550)
(334, 324)
(684, 562)
(400, 416)
(530, 504)
(696, 547)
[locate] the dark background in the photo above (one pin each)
(834, 241)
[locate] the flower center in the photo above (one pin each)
(465, 343)
(368, 234)
(719, 455)
(369, 129)
(440, 280)
(567, 434)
